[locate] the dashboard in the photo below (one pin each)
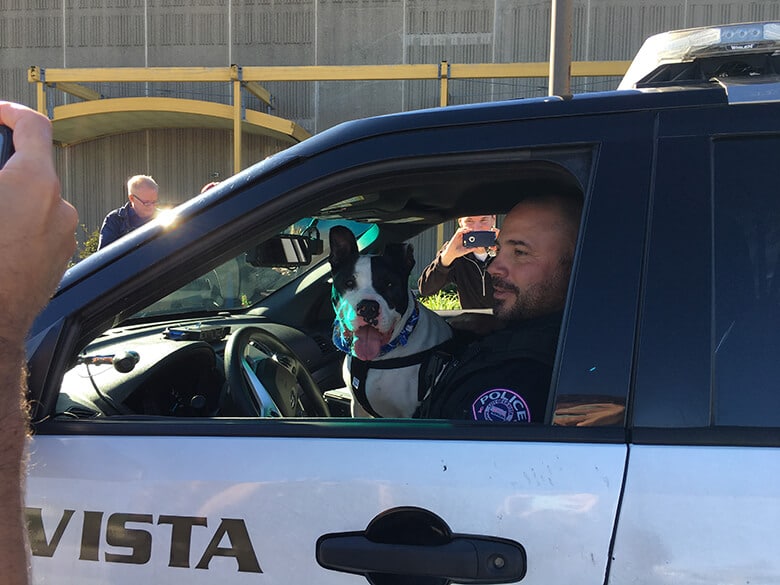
(149, 369)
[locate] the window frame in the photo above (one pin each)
(623, 138)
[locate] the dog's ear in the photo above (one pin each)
(401, 255)
(343, 245)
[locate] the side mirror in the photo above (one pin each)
(283, 250)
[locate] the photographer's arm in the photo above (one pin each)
(37, 238)
(434, 278)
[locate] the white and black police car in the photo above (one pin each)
(178, 376)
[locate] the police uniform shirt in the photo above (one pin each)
(503, 377)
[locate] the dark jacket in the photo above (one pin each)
(467, 273)
(504, 376)
(118, 223)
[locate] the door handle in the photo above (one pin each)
(412, 542)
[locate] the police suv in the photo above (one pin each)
(189, 421)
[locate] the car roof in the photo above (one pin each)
(519, 109)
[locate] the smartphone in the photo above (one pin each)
(479, 239)
(6, 144)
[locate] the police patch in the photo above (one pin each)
(502, 405)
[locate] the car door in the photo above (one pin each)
(701, 504)
(123, 500)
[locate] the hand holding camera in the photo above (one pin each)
(37, 227)
(474, 234)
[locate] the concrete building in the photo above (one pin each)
(218, 33)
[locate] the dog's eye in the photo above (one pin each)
(350, 283)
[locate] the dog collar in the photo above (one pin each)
(403, 336)
(342, 338)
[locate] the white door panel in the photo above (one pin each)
(276, 496)
(695, 515)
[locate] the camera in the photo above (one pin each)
(6, 145)
(479, 239)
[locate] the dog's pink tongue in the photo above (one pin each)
(367, 344)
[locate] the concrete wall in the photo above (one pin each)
(114, 33)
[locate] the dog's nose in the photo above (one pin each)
(368, 310)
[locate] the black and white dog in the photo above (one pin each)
(384, 331)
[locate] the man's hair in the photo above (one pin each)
(493, 215)
(569, 205)
(138, 180)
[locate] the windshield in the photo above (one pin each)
(239, 284)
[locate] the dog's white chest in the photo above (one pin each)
(388, 393)
(394, 392)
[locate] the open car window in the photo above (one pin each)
(175, 356)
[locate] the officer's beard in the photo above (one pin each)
(538, 300)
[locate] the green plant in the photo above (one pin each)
(90, 243)
(441, 301)
(86, 246)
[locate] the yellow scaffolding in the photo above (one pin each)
(114, 115)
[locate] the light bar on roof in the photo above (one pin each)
(686, 45)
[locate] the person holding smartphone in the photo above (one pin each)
(463, 261)
(37, 238)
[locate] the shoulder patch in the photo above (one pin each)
(502, 405)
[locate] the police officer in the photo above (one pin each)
(505, 375)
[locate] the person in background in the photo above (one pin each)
(141, 207)
(37, 238)
(464, 267)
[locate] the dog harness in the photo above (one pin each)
(359, 368)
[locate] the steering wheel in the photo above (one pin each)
(266, 378)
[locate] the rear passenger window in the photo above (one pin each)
(709, 344)
(746, 328)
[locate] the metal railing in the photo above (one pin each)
(249, 79)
